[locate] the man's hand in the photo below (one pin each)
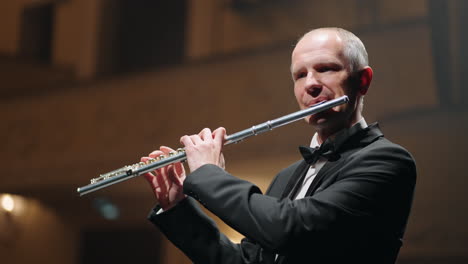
(204, 148)
(166, 182)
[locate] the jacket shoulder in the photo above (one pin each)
(385, 157)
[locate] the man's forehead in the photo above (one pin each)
(319, 39)
(324, 43)
(321, 34)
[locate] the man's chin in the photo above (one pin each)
(317, 122)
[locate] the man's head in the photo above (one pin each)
(328, 63)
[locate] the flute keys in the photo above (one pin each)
(111, 174)
(149, 161)
(130, 168)
(180, 150)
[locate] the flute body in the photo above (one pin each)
(137, 169)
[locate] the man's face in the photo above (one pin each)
(321, 72)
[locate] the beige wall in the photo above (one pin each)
(215, 28)
(9, 32)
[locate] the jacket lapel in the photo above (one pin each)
(329, 167)
(357, 141)
(294, 179)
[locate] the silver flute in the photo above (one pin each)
(137, 169)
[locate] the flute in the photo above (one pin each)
(137, 169)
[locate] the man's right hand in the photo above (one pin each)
(166, 182)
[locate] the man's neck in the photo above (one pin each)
(324, 134)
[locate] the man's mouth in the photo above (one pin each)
(316, 101)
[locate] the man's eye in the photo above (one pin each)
(325, 69)
(301, 75)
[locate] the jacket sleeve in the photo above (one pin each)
(363, 189)
(197, 235)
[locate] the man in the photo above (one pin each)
(347, 202)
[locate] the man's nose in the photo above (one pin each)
(313, 86)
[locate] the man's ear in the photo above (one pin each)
(365, 79)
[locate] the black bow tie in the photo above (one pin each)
(312, 155)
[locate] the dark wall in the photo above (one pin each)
(141, 34)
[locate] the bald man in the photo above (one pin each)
(347, 201)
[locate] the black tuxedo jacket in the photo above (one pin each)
(355, 210)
